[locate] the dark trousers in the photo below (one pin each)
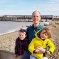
(26, 55)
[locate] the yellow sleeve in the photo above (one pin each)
(51, 45)
(31, 46)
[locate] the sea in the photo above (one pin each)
(10, 26)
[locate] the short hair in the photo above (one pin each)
(22, 30)
(47, 31)
(35, 11)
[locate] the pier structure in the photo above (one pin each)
(22, 18)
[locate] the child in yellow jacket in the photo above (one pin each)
(41, 46)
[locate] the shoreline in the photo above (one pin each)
(8, 32)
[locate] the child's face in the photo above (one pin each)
(43, 34)
(22, 35)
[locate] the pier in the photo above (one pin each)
(23, 18)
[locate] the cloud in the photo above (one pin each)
(27, 7)
(56, 1)
(3, 1)
(52, 9)
(51, 5)
(15, 12)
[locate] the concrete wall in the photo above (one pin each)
(7, 55)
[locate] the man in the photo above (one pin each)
(31, 30)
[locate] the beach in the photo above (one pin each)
(7, 41)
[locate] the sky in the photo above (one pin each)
(26, 7)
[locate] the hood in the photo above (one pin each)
(36, 35)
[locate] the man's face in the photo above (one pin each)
(36, 17)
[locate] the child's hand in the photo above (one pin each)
(48, 53)
(15, 56)
(39, 50)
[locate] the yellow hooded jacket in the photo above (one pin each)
(39, 42)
